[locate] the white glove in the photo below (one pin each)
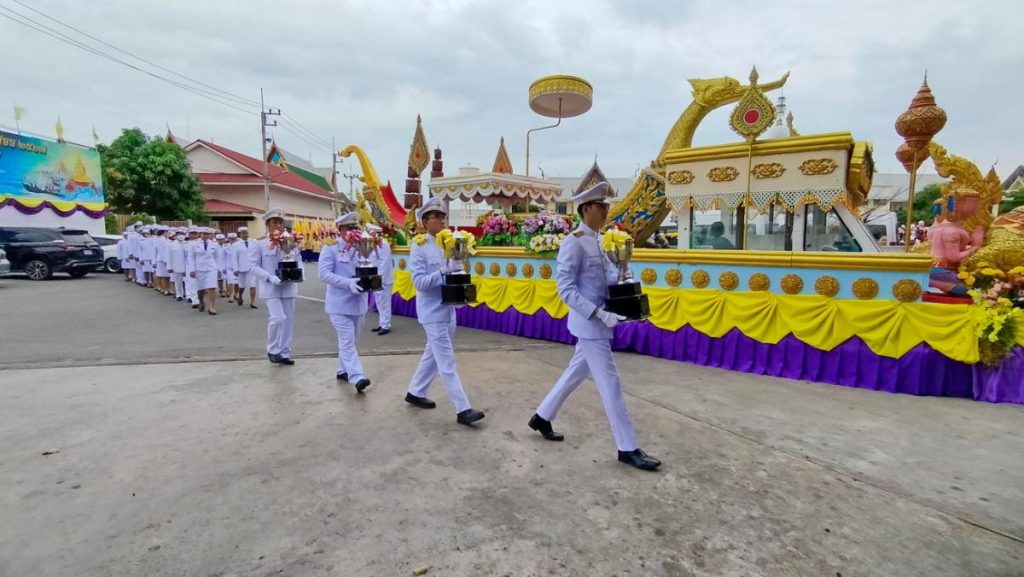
(274, 280)
(610, 320)
(353, 286)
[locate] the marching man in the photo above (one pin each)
(242, 267)
(346, 301)
(382, 258)
(202, 266)
(428, 267)
(584, 274)
(280, 297)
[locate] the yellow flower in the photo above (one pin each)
(613, 240)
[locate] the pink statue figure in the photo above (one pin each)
(951, 243)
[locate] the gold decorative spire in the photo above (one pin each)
(419, 152)
(502, 164)
(754, 113)
(922, 120)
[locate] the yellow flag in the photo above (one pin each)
(19, 112)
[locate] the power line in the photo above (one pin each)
(311, 143)
(46, 30)
(298, 125)
(225, 93)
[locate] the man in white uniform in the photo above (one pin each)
(279, 296)
(428, 267)
(244, 278)
(346, 301)
(204, 270)
(382, 259)
(229, 265)
(584, 274)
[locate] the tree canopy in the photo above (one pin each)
(148, 175)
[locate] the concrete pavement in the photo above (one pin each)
(142, 467)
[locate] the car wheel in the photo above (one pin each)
(78, 272)
(38, 270)
(112, 265)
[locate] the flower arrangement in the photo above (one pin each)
(499, 230)
(997, 301)
(614, 240)
(544, 244)
(446, 240)
(545, 224)
(355, 236)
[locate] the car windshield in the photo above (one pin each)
(77, 237)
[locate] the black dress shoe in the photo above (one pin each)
(342, 376)
(468, 417)
(274, 358)
(639, 459)
(383, 332)
(362, 384)
(195, 306)
(286, 361)
(375, 329)
(543, 427)
(421, 402)
(178, 299)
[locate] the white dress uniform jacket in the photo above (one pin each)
(280, 298)
(337, 268)
(204, 263)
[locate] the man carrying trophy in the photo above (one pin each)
(428, 267)
(270, 257)
(346, 299)
(382, 257)
(584, 275)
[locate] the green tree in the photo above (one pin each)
(924, 207)
(149, 175)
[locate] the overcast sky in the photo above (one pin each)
(360, 72)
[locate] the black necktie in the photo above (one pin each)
(247, 244)
(204, 246)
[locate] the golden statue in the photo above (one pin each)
(369, 202)
(645, 207)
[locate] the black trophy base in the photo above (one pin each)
(369, 280)
(289, 271)
(628, 300)
(458, 289)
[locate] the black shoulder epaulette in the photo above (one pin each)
(577, 233)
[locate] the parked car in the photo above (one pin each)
(40, 252)
(5, 265)
(108, 242)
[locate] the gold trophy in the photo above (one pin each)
(458, 286)
(626, 298)
(369, 279)
(288, 269)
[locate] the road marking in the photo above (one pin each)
(310, 299)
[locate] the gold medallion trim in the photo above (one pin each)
(495, 269)
(680, 177)
(545, 271)
(759, 282)
(865, 288)
(479, 268)
(673, 277)
(700, 279)
(401, 264)
(827, 286)
(792, 284)
(818, 166)
(528, 270)
(768, 170)
(906, 290)
(723, 174)
(728, 280)
(648, 276)
(510, 269)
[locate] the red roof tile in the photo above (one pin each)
(222, 206)
(220, 178)
(278, 175)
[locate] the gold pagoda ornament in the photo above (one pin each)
(754, 114)
(918, 124)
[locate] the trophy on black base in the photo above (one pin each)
(458, 285)
(369, 279)
(626, 298)
(288, 269)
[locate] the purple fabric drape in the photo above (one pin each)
(48, 205)
(921, 371)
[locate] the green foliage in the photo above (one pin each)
(151, 176)
(924, 208)
(1016, 199)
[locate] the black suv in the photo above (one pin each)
(40, 252)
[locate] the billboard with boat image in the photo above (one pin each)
(33, 170)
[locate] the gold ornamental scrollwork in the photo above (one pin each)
(479, 268)
(510, 269)
(723, 174)
(495, 269)
(906, 290)
(792, 284)
(401, 264)
(818, 166)
(680, 177)
(528, 270)
(545, 271)
(865, 288)
(759, 282)
(673, 277)
(827, 286)
(700, 279)
(768, 170)
(648, 276)
(728, 280)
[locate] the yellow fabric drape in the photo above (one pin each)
(889, 328)
(59, 204)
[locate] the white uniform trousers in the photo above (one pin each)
(176, 280)
(383, 300)
(280, 325)
(191, 293)
(439, 357)
(140, 269)
(593, 357)
(348, 328)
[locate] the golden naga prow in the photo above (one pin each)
(645, 207)
(369, 202)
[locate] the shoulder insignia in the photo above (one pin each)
(577, 233)
(420, 239)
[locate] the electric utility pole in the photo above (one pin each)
(264, 114)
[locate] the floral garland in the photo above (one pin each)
(997, 300)
(544, 244)
(446, 240)
(545, 224)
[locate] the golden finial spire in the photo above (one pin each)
(753, 76)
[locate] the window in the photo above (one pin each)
(771, 230)
(825, 231)
(77, 237)
(562, 208)
(29, 235)
(716, 229)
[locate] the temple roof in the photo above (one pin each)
(502, 164)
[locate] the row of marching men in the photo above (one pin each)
(194, 264)
(584, 274)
